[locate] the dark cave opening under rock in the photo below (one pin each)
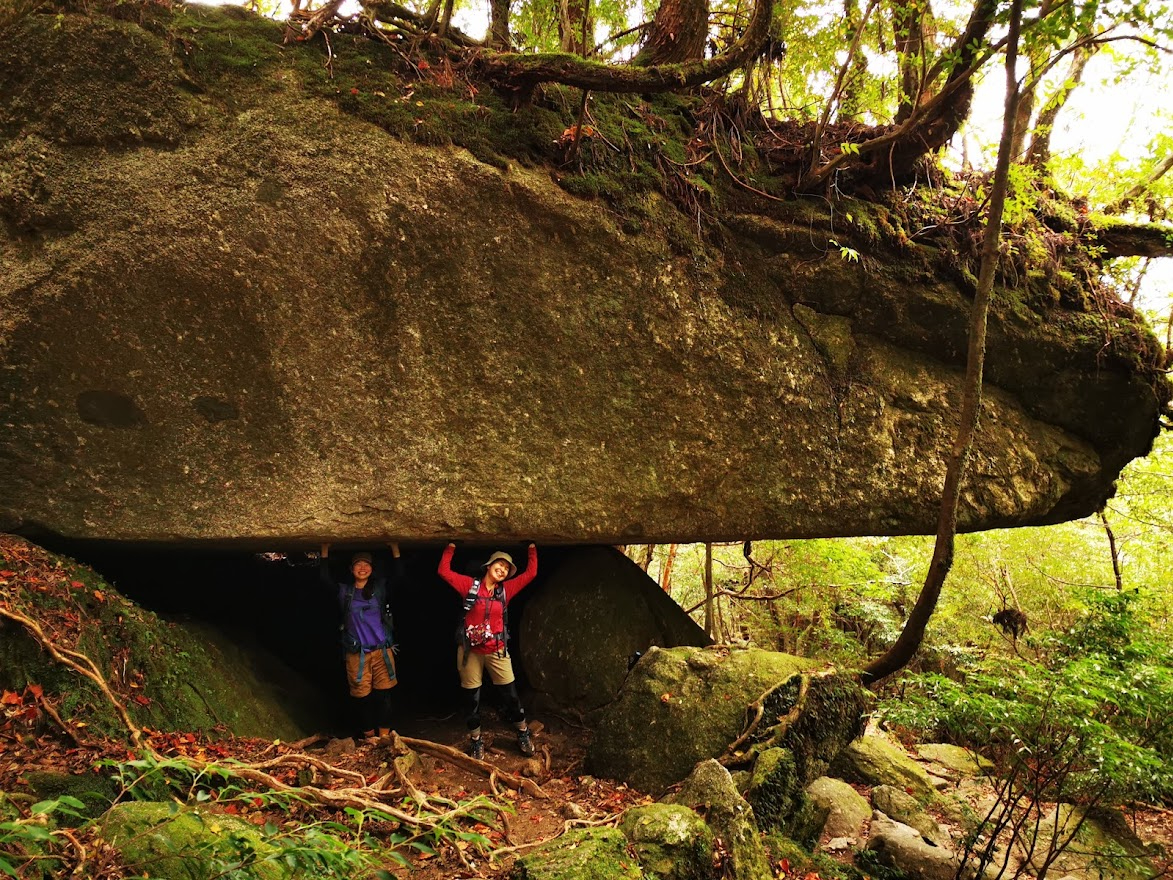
(274, 607)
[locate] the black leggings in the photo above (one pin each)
(514, 713)
(373, 712)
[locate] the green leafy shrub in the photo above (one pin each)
(1078, 724)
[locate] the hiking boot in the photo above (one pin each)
(525, 742)
(476, 748)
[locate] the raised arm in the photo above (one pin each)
(458, 582)
(324, 568)
(515, 585)
(398, 572)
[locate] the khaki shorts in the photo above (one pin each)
(374, 672)
(472, 671)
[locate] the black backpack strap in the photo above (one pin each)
(382, 597)
(471, 599)
(500, 596)
(346, 606)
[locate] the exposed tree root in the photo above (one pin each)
(758, 707)
(52, 713)
(517, 783)
(76, 661)
(569, 824)
(432, 814)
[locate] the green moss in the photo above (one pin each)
(214, 42)
(183, 843)
(775, 792)
(801, 861)
(95, 791)
(873, 760)
(169, 677)
(671, 841)
(583, 854)
(870, 864)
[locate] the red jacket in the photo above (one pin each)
(486, 609)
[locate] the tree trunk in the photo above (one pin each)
(677, 35)
(1026, 109)
(499, 38)
(1134, 240)
(908, 22)
(710, 620)
(1169, 339)
(649, 554)
(575, 21)
(522, 73)
(909, 641)
(1125, 201)
(852, 104)
(666, 573)
(1113, 550)
(1039, 153)
(895, 154)
(1038, 57)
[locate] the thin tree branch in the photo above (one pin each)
(910, 638)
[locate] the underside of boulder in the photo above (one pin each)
(233, 313)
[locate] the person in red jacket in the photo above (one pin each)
(484, 641)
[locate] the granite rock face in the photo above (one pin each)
(231, 313)
(583, 629)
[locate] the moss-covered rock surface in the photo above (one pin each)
(955, 760)
(167, 676)
(671, 841)
(875, 760)
(584, 854)
(845, 809)
(903, 807)
(682, 705)
(252, 292)
(709, 790)
(189, 843)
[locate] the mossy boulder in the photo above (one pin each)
(902, 848)
(774, 790)
(875, 760)
(96, 791)
(1103, 845)
(802, 861)
(671, 841)
(170, 676)
(903, 807)
(596, 611)
(582, 854)
(519, 361)
(187, 843)
(846, 809)
(709, 790)
(956, 760)
(679, 706)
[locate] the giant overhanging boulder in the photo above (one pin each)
(232, 312)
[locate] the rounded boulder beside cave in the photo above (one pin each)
(597, 610)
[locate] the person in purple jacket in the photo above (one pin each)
(367, 638)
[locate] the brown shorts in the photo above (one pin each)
(374, 672)
(472, 671)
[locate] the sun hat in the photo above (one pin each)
(504, 557)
